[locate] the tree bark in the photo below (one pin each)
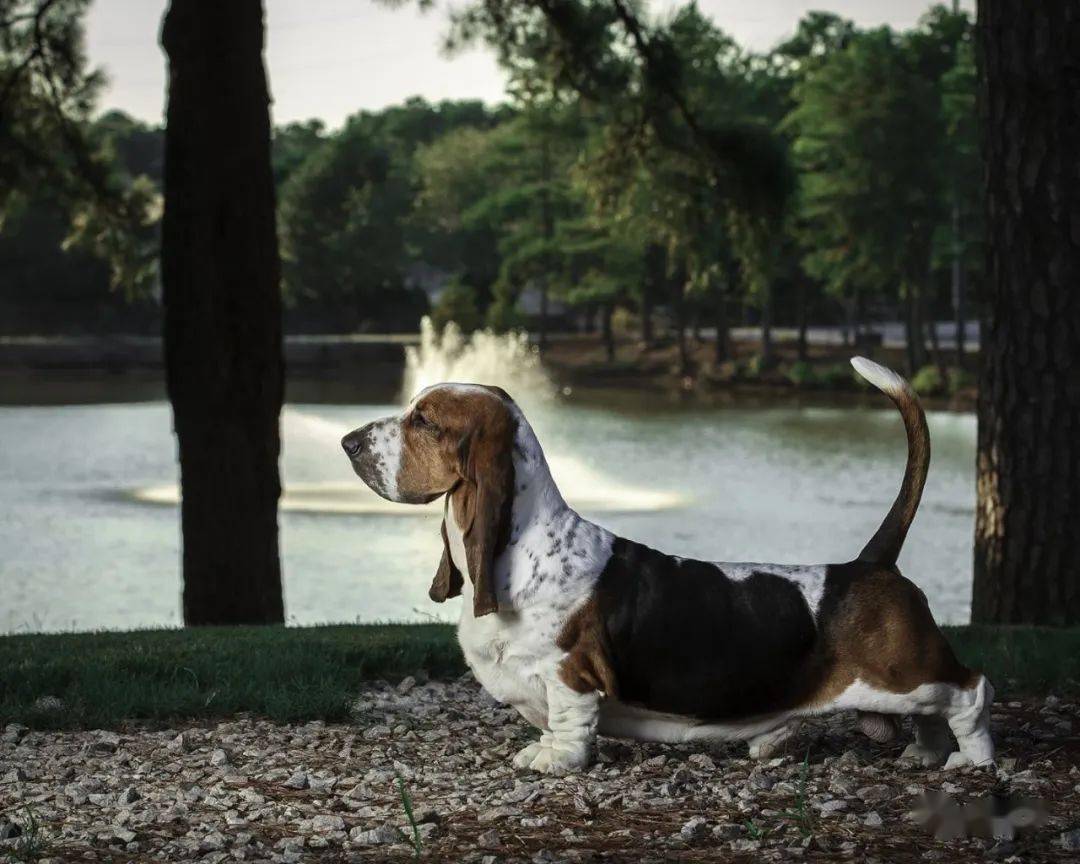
(609, 331)
(723, 335)
(547, 226)
(221, 292)
(1027, 523)
(958, 281)
(804, 315)
(655, 262)
(766, 326)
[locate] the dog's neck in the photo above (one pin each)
(551, 551)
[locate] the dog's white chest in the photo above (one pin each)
(497, 647)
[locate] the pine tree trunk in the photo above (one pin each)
(220, 281)
(609, 332)
(1027, 523)
(804, 315)
(654, 274)
(766, 327)
(958, 282)
(547, 226)
(723, 336)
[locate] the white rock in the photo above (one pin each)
(381, 836)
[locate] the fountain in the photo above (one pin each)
(317, 479)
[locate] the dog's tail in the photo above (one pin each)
(884, 547)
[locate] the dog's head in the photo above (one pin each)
(456, 439)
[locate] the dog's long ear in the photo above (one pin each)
(447, 581)
(484, 499)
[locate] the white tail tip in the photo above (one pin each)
(880, 376)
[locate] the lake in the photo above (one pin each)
(89, 529)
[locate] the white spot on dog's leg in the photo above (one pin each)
(969, 719)
(572, 718)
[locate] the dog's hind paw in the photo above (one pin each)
(925, 757)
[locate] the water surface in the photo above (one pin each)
(86, 542)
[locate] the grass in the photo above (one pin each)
(406, 803)
(26, 846)
(88, 680)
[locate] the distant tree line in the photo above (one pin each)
(833, 179)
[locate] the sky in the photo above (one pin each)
(331, 58)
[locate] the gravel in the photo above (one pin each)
(251, 790)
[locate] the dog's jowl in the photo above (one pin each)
(585, 632)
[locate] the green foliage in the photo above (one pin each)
(49, 144)
(27, 845)
(928, 381)
(458, 304)
(406, 803)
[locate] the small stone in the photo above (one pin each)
(326, 823)
(873, 820)
(694, 830)
(9, 830)
(702, 761)
(875, 794)
(104, 742)
(15, 775)
(299, 780)
(406, 685)
(495, 813)
(1070, 840)
(489, 839)
(381, 836)
(124, 835)
(212, 842)
(218, 758)
(129, 796)
(427, 831)
(836, 805)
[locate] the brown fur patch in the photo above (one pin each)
(586, 668)
(883, 634)
(461, 442)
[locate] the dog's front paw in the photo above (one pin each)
(525, 756)
(552, 759)
(959, 759)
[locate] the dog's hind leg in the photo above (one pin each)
(769, 744)
(932, 744)
(969, 718)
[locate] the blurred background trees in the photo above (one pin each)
(835, 179)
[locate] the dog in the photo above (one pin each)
(584, 632)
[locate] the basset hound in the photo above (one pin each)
(585, 632)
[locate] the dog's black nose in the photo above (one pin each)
(351, 444)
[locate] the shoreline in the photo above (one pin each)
(371, 369)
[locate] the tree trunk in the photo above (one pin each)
(609, 332)
(655, 258)
(766, 327)
(221, 292)
(804, 315)
(958, 281)
(678, 290)
(1027, 522)
(723, 336)
(547, 224)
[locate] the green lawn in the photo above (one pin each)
(306, 673)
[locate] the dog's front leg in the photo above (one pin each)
(568, 742)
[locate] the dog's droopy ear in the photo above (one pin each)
(447, 582)
(484, 499)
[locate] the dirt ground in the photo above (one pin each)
(250, 790)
